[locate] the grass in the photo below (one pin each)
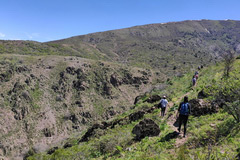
(214, 136)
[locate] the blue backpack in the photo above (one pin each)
(184, 109)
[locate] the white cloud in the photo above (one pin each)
(32, 35)
(2, 35)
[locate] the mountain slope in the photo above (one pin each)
(179, 45)
(169, 48)
(46, 99)
(48, 93)
(213, 134)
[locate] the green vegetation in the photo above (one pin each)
(74, 99)
(214, 136)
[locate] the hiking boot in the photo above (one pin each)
(184, 136)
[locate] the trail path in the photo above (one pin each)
(171, 119)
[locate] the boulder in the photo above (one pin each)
(59, 98)
(200, 107)
(78, 85)
(70, 70)
(47, 132)
(110, 112)
(146, 128)
(202, 94)
(52, 150)
(79, 103)
(107, 89)
(67, 145)
(26, 95)
(114, 80)
(22, 69)
(20, 112)
(86, 114)
(137, 99)
(136, 116)
(90, 132)
(153, 99)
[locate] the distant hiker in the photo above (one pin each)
(184, 111)
(163, 104)
(199, 67)
(196, 75)
(194, 80)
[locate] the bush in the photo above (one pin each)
(227, 91)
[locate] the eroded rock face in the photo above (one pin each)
(44, 102)
(146, 128)
(200, 107)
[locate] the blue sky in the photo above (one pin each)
(46, 20)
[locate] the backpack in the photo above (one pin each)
(184, 109)
(160, 105)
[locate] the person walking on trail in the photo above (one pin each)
(163, 104)
(196, 75)
(194, 80)
(184, 111)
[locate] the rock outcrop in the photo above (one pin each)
(201, 107)
(146, 128)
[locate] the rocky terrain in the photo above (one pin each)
(44, 100)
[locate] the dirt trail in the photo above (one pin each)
(171, 119)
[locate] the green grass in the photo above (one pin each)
(214, 136)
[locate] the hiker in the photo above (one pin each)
(194, 81)
(163, 104)
(184, 111)
(196, 75)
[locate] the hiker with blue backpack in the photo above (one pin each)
(163, 104)
(184, 111)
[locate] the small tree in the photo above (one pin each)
(228, 58)
(234, 109)
(227, 91)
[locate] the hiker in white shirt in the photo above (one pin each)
(163, 104)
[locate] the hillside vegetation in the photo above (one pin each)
(211, 135)
(46, 99)
(171, 48)
(82, 96)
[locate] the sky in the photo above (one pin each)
(47, 20)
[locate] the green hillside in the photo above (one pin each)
(167, 47)
(33, 48)
(171, 48)
(211, 135)
(82, 96)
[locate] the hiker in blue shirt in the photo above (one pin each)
(163, 104)
(184, 111)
